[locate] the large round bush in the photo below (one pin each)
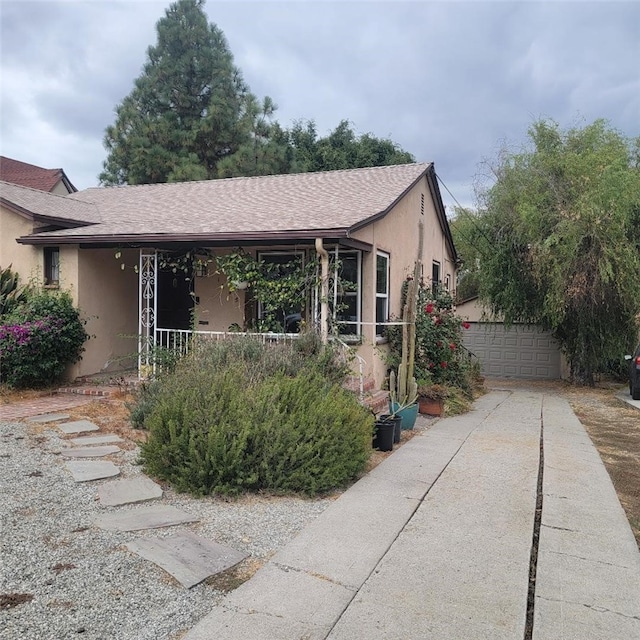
(39, 338)
(224, 429)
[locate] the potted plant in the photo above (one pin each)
(403, 394)
(431, 399)
(384, 433)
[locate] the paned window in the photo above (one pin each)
(382, 291)
(51, 266)
(282, 320)
(435, 277)
(348, 307)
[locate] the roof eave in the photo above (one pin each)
(381, 214)
(38, 217)
(432, 181)
(200, 238)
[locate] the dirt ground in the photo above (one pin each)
(614, 428)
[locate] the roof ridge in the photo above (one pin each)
(239, 178)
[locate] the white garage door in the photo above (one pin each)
(521, 351)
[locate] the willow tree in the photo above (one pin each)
(187, 110)
(561, 225)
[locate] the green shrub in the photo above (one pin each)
(242, 416)
(259, 361)
(11, 292)
(440, 356)
(39, 338)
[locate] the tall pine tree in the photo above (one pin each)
(188, 108)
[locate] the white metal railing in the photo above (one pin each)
(179, 341)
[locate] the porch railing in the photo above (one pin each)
(180, 341)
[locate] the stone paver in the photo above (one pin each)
(87, 470)
(77, 426)
(144, 518)
(189, 558)
(37, 406)
(138, 489)
(90, 452)
(90, 440)
(48, 417)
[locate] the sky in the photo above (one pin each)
(451, 82)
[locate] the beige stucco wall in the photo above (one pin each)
(218, 308)
(397, 235)
(60, 189)
(470, 310)
(22, 258)
(107, 296)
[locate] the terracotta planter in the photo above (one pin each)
(430, 406)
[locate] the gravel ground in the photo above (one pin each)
(80, 581)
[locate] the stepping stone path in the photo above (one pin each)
(48, 417)
(78, 426)
(189, 558)
(90, 452)
(85, 471)
(88, 440)
(144, 518)
(138, 489)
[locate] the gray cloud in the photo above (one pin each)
(448, 81)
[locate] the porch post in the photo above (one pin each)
(147, 302)
(324, 291)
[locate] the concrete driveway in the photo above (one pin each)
(495, 524)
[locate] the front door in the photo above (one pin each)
(175, 300)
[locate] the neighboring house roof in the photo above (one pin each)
(329, 204)
(29, 175)
(47, 207)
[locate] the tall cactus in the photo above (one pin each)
(403, 387)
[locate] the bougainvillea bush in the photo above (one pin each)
(440, 355)
(39, 338)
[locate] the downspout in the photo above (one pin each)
(324, 291)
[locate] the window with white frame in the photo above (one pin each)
(347, 295)
(382, 291)
(51, 266)
(435, 277)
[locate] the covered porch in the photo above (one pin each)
(185, 294)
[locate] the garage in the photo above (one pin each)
(520, 351)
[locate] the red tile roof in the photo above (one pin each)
(29, 175)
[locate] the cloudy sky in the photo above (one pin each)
(449, 81)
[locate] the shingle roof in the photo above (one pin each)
(337, 200)
(29, 175)
(258, 208)
(47, 206)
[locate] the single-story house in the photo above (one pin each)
(519, 351)
(106, 245)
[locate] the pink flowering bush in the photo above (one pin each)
(39, 339)
(440, 355)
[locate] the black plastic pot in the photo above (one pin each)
(383, 435)
(397, 425)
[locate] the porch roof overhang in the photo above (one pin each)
(175, 241)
